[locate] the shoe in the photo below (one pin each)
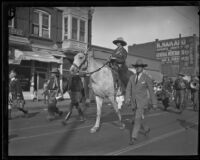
(146, 133)
(132, 141)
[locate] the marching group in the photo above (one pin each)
(135, 92)
(181, 91)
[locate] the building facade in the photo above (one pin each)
(175, 57)
(42, 38)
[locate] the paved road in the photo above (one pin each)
(171, 133)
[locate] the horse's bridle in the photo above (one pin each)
(85, 61)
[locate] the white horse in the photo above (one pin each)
(101, 82)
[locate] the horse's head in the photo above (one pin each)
(80, 63)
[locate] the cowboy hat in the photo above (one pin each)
(55, 70)
(120, 40)
(139, 63)
(12, 74)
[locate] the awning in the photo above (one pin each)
(39, 56)
(36, 55)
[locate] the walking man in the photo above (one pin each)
(180, 87)
(136, 93)
(53, 88)
(76, 95)
(16, 98)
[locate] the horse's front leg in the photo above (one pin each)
(99, 102)
(115, 105)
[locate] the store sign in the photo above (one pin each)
(15, 31)
(176, 52)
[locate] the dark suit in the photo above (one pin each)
(138, 95)
(76, 89)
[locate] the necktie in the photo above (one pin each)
(136, 78)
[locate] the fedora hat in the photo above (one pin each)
(139, 63)
(120, 40)
(181, 74)
(55, 70)
(12, 74)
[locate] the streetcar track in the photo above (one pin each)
(62, 131)
(70, 121)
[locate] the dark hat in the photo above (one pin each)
(55, 70)
(139, 63)
(120, 40)
(181, 74)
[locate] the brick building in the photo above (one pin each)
(42, 38)
(168, 52)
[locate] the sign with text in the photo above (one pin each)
(176, 52)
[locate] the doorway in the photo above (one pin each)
(39, 79)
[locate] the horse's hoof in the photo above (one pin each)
(94, 129)
(122, 126)
(63, 123)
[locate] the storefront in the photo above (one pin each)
(33, 68)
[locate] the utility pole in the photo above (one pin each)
(179, 68)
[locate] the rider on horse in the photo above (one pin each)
(118, 59)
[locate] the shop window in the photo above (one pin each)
(24, 75)
(82, 31)
(66, 28)
(74, 28)
(41, 24)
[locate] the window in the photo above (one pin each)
(74, 29)
(11, 23)
(66, 28)
(41, 24)
(82, 31)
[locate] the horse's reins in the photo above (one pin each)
(89, 73)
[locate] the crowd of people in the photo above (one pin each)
(181, 91)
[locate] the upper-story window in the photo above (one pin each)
(74, 28)
(11, 23)
(66, 36)
(41, 23)
(82, 31)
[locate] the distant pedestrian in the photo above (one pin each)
(45, 92)
(76, 94)
(16, 98)
(136, 93)
(180, 92)
(54, 89)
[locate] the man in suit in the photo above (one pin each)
(136, 93)
(75, 88)
(16, 98)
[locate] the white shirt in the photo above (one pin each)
(140, 74)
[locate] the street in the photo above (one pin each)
(171, 133)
